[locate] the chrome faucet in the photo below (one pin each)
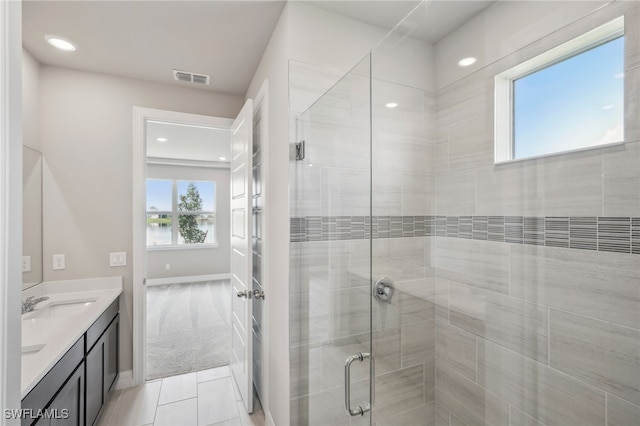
(31, 302)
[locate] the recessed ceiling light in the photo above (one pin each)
(61, 43)
(222, 158)
(465, 62)
(162, 139)
(391, 105)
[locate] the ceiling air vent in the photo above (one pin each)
(190, 77)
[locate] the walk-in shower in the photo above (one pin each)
(515, 278)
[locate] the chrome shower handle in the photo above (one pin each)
(359, 410)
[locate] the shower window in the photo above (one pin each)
(567, 99)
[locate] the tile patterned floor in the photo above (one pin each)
(207, 398)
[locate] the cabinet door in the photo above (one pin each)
(69, 403)
(112, 347)
(95, 380)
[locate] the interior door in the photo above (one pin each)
(241, 250)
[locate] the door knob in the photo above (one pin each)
(258, 294)
(244, 294)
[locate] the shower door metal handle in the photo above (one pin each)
(359, 410)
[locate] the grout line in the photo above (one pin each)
(549, 337)
(606, 409)
(476, 380)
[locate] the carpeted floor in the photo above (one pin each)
(188, 327)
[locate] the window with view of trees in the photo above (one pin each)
(180, 212)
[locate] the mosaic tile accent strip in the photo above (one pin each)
(583, 233)
(611, 234)
(495, 228)
(556, 232)
(614, 234)
(635, 235)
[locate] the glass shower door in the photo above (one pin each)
(331, 310)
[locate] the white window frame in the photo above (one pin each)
(174, 213)
(503, 101)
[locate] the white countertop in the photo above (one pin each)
(58, 333)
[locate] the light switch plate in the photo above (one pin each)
(118, 258)
(58, 262)
(26, 263)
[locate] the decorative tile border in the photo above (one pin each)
(612, 234)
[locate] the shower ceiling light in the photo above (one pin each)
(61, 43)
(222, 158)
(465, 62)
(162, 139)
(391, 105)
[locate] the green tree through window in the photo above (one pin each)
(187, 223)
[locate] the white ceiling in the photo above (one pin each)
(223, 39)
(437, 18)
(188, 142)
(148, 39)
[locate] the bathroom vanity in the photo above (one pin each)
(70, 352)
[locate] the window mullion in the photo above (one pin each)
(174, 208)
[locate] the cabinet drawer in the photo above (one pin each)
(47, 388)
(97, 328)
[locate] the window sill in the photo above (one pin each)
(559, 153)
(182, 247)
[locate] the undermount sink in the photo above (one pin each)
(31, 349)
(60, 309)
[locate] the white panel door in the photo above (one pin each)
(241, 265)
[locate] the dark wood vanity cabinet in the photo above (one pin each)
(70, 398)
(102, 370)
(75, 391)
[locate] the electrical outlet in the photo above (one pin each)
(167, 267)
(58, 262)
(118, 258)
(26, 263)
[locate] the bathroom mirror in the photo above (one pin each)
(31, 217)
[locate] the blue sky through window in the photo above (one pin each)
(159, 194)
(576, 103)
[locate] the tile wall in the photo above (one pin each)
(540, 326)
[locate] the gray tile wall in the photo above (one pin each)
(540, 324)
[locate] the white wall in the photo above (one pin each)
(195, 261)
(86, 133)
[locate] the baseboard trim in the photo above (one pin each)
(125, 380)
(189, 279)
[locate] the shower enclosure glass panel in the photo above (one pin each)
(403, 127)
(331, 256)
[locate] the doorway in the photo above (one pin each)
(187, 248)
(186, 198)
